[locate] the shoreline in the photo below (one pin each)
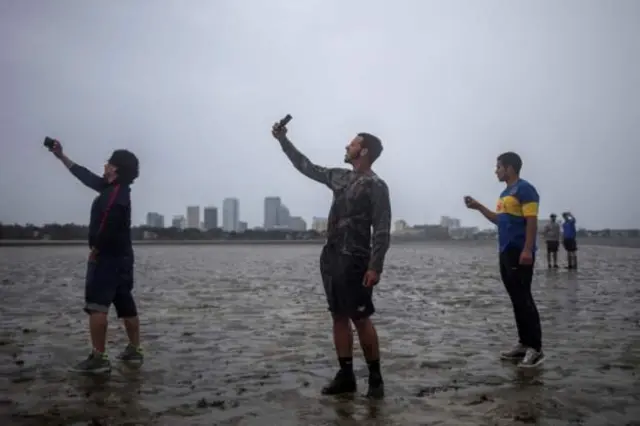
(605, 242)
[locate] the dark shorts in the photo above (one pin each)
(552, 246)
(570, 244)
(342, 277)
(110, 281)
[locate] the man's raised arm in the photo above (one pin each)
(330, 177)
(381, 223)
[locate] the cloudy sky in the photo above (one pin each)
(193, 87)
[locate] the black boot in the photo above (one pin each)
(344, 382)
(376, 386)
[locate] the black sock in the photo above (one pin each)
(374, 367)
(346, 364)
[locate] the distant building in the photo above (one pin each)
(423, 233)
(193, 217)
(400, 225)
(296, 223)
(242, 226)
(319, 224)
(210, 218)
(449, 222)
(271, 210)
(284, 217)
(179, 222)
(155, 220)
(230, 214)
(463, 233)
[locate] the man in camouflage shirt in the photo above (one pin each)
(353, 256)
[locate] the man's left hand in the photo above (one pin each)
(526, 257)
(371, 278)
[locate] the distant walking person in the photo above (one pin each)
(552, 237)
(569, 235)
(517, 218)
(109, 278)
(353, 256)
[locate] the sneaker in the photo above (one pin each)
(518, 352)
(342, 383)
(96, 363)
(532, 359)
(376, 387)
(131, 355)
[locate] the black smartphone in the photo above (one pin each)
(48, 142)
(287, 118)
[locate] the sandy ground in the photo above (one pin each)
(240, 335)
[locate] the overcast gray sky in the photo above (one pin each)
(193, 87)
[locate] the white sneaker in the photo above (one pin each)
(532, 358)
(517, 353)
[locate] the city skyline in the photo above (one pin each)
(276, 216)
(446, 88)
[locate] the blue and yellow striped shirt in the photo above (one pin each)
(517, 202)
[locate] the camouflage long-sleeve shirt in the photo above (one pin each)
(360, 203)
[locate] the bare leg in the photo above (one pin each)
(132, 326)
(345, 380)
(368, 337)
(98, 330)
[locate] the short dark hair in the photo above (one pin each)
(373, 145)
(511, 159)
(553, 215)
(127, 165)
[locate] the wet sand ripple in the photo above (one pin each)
(240, 335)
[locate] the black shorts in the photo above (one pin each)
(343, 277)
(552, 246)
(570, 244)
(110, 280)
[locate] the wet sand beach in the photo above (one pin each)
(240, 335)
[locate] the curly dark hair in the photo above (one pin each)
(128, 167)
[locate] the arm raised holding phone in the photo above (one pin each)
(84, 175)
(331, 177)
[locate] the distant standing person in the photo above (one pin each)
(569, 240)
(552, 237)
(353, 257)
(109, 278)
(517, 218)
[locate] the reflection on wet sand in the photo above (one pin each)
(239, 335)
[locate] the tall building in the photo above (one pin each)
(296, 223)
(284, 217)
(155, 220)
(210, 218)
(179, 222)
(449, 222)
(193, 217)
(319, 224)
(271, 211)
(230, 214)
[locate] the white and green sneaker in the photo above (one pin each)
(96, 363)
(132, 355)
